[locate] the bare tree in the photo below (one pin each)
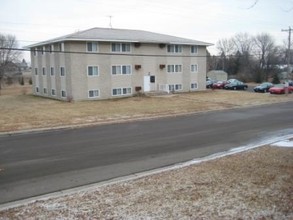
(264, 46)
(8, 54)
(226, 49)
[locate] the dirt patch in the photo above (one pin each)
(253, 185)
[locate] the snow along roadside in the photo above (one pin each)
(277, 140)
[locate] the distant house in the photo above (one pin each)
(218, 75)
(103, 63)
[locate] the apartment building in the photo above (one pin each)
(105, 63)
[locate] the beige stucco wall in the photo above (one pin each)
(77, 83)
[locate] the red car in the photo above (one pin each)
(219, 85)
(280, 89)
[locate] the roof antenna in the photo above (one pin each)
(110, 24)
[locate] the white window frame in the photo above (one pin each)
(174, 48)
(122, 91)
(53, 92)
(44, 71)
(194, 86)
(52, 71)
(194, 49)
(120, 47)
(51, 48)
(95, 92)
(121, 70)
(92, 43)
(93, 74)
(62, 73)
(45, 90)
(194, 68)
(36, 71)
(174, 68)
(63, 93)
(61, 47)
(37, 89)
(174, 87)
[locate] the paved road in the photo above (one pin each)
(38, 163)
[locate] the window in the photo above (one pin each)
(193, 86)
(37, 89)
(123, 69)
(121, 91)
(94, 93)
(45, 90)
(174, 68)
(44, 71)
(53, 92)
(52, 73)
(62, 71)
(36, 71)
(174, 48)
(193, 68)
(120, 47)
(194, 49)
(63, 93)
(61, 47)
(92, 71)
(51, 48)
(92, 47)
(175, 87)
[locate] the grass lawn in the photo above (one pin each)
(21, 110)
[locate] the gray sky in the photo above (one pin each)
(205, 20)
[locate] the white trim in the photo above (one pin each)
(174, 67)
(52, 92)
(64, 73)
(193, 83)
(121, 70)
(98, 71)
(173, 48)
(52, 73)
(120, 47)
(92, 42)
(62, 94)
(44, 72)
(192, 47)
(93, 90)
(121, 90)
(196, 68)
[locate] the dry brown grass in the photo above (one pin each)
(252, 185)
(24, 111)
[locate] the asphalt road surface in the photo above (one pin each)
(38, 163)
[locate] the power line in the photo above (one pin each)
(123, 54)
(106, 54)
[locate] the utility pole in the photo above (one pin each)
(289, 30)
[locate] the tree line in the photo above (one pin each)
(250, 58)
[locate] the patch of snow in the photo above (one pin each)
(285, 143)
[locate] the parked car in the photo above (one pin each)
(209, 83)
(264, 87)
(237, 85)
(232, 80)
(219, 85)
(280, 89)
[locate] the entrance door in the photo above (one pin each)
(147, 83)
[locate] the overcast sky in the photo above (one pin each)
(33, 21)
